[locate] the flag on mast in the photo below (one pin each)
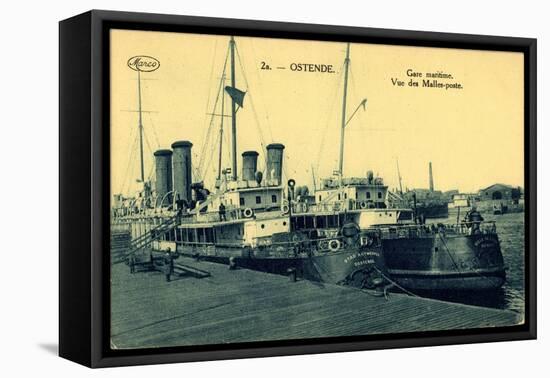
(236, 94)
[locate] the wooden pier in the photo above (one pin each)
(240, 305)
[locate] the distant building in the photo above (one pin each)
(462, 200)
(500, 192)
(451, 193)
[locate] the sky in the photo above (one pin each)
(473, 135)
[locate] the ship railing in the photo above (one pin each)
(198, 247)
(231, 214)
(328, 207)
(120, 227)
(427, 230)
(335, 206)
(322, 244)
(265, 241)
(296, 247)
(210, 244)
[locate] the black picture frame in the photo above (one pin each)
(84, 187)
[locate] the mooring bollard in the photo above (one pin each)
(292, 274)
(232, 264)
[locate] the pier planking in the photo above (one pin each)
(232, 306)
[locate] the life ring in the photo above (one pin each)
(285, 208)
(363, 205)
(323, 245)
(367, 240)
(248, 212)
(334, 245)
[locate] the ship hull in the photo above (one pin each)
(357, 267)
(433, 211)
(441, 262)
(481, 279)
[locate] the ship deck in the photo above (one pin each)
(230, 306)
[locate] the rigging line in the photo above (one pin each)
(257, 122)
(254, 113)
(151, 172)
(211, 154)
(449, 252)
(125, 182)
(354, 90)
(154, 131)
(128, 168)
(151, 151)
(256, 118)
(210, 77)
(262, 100)
(220, 91)
(131, 137)
(209, 81)
(209, 130)
(332, 104)
(147, 142)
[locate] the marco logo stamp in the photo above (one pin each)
(143, 63)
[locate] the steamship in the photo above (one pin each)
(461, 256)
(245, 221)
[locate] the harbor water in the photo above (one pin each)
(510, 228)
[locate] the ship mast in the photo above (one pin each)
(233, 113)
(221, 130)
(344, 101)
(140, 125)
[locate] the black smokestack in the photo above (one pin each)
(163, 171)
(274, 163)
(250, 165)
(181, 162)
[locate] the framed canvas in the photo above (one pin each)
(234, 188)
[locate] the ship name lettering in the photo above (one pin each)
(364, 262)
(354, 256)
(484, 242)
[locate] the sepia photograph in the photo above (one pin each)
(272, 189)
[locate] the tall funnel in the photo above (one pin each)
(163, 171)
(431, 178)
(250, 165)
(181, 163)
(274, 163)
